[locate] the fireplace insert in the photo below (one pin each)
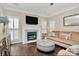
(31, 36)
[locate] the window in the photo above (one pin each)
(13, 22)
(13, 27)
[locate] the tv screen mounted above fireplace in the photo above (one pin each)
(31, 20)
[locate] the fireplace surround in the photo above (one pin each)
(31, 32)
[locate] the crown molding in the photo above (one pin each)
(21, 11)
(64, 11)
(35, 14)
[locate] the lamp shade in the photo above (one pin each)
(4, 19)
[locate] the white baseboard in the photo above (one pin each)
(16, 42)
(30, 41)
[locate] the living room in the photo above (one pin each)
(40, 29)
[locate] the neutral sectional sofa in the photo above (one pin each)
(64, 38)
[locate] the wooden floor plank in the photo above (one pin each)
(30, 50)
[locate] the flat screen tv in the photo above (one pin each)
(31, 20)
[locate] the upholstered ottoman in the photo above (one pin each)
(45, 45)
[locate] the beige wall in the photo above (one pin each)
(59, 21)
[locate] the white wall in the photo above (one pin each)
(59, 21)
(43, 25)
(10, 12)
(1, 28)
(1, 24)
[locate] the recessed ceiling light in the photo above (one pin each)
(15, 4)
(51, 3)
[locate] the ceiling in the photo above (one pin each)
(43, 9)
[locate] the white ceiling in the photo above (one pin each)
(43, 9)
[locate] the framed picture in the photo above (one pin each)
(72, 20)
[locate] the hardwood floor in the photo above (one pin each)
(30, 50)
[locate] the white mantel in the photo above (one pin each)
(31, 28)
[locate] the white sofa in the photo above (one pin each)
(73, 49)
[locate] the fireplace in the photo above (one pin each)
(31, 36)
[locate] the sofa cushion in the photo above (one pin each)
(70, 42)
(65, 53)
(66, 36)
